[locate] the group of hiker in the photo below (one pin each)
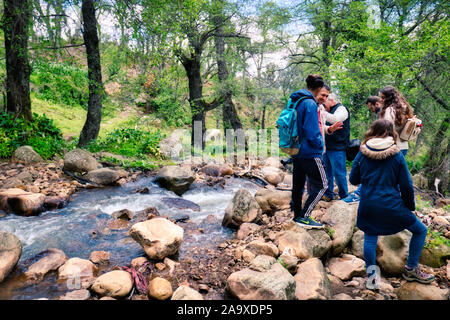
(385, 193)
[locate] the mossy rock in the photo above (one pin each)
(435, 256)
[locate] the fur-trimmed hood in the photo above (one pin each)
(380, 148)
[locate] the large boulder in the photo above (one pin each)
(341, 217)
(419, 291)
(271, 201)
(312, 281)
(274, 284)
(435, 255)
(81, 161)
(76, 272)
(258, 247)
(10, 251)
(242, 208)
(347, 267)
(392, 252)
(48, 260)
(158, 237)
(273, 162)
(104, 176)
(22, 202)
(273, 175)
(171, 146)
(306, 243)
(357, 244)
(184, 292)
(174, 178)
(115, 284)
(160, 289)
(26, 154)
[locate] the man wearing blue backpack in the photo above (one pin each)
(308, 161)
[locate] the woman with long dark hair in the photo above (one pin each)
(387, 199)
(397, 110)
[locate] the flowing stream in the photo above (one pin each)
(77, 228)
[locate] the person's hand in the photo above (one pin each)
(337, 126)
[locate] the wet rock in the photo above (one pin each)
(21, 202)
(10, 252)
(80, 161)
(435, 255)
(47, 261)
(180, 203)
(100, 257)
(147, 213)
(81, 294)
(175, 179)
(123, 214)
(103, 176)
(242, 208)
(116, 284)
(271, 201)
(144, 190)
(55, 202)
(263, 248)
(357, 244)
(211, 170)
(160, 289)
(419, 291)
(77, 270)
(184, 292)
(392, 252)
(158, 237)
(117, 224)
(347, 267)
(275, 284)
(312, 281)
(27, 155)
(262, 263)
(341, 217)
(246, 229)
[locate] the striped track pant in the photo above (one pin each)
(313, 170)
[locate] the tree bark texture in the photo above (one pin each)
(15, 26)
(91, 127)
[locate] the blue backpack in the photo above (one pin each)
(287, 128)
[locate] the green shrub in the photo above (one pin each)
(62, 83)
(129, 142)
(41, 134)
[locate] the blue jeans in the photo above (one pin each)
(335, 168)
(419, 233)
(358, 191)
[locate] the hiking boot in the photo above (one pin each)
(326, 199)
(351, 198)
(308, 223)
(417, 275)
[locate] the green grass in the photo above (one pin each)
(71, 119)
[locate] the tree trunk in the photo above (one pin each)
(192, 68)
(91, 127)
(15, 27)
(229, 115)
(437, 165)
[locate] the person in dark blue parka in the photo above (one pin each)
(387, 199)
